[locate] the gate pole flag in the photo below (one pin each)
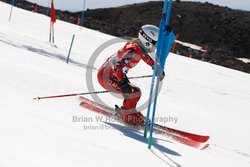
(52, 21)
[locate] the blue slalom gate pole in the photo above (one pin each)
(164, 43)
(47, 11)
(82, 17)
(153, 79)
(150, 99)
(48, 8)
(150, 139)
(71, 45)
(12, 5)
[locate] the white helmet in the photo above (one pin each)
(148, 36)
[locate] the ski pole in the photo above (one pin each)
(87, 93)
(139, 77)
(70, 95)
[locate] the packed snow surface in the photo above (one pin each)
(196, 96)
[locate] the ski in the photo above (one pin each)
(182, 140)
(192, 136)
(174, 134)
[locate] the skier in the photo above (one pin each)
(112, 74)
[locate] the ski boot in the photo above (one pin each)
(132, 117)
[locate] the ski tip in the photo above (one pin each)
(205, 139)
(204, 147)
(37, 98)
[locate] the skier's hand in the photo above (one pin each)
(162, 76)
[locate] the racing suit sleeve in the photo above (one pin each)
(120, 66)
(148, 60)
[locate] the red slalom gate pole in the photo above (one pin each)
(173, 48)
(35, 8)
(79, 21)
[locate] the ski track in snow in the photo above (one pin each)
(44, 49)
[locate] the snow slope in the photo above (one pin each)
(205, 98)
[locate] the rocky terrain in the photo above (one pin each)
(225, 32)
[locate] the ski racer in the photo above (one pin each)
(112, 75)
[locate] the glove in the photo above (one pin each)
(162, 76)
(125, 87)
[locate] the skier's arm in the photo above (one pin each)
(147, 59)
(128, 48)
(120, 67)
